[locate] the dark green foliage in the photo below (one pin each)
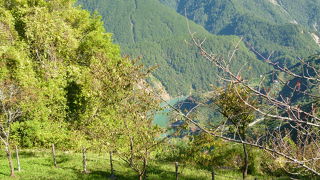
(306, 12)
(157, 33)
(283, 28)
(307, 88)
(76, 103)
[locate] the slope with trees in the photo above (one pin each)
(268, 26)
(149, 29)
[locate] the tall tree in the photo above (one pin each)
(238, 115)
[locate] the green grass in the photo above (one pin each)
(38, 165)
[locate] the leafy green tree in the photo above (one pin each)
(238, 114)
(139, 135)
(67, 82)
(210, 153)
(18, 85)
(129, 130)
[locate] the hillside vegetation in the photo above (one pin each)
(159, 34)
(268, 26)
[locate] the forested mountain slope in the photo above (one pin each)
(301, 90)
(289, 28)
(305, 12)
(159, 34)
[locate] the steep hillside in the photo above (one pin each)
(305, 12)
(280, 84)
(300, 90)
(267, 25)
(150, 29)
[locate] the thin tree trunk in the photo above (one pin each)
(131, 151)
(111, 166)
(212, 173)
(131, 146)
(144, 168)
(54, 156)
(18, 159)
(84, 160)
(145, 165)
(246, 163)
(177, 170)
(9, 157)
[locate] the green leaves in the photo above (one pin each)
(71, 76)
(231, 103)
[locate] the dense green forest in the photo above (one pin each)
(268, 26)
(56, 64)
(149, 24)
(157, 33)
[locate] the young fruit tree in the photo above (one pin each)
(238, 116)
(139, 137)
(119, 115)
(9, 113)
(16, 82)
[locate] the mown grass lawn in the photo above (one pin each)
(39, 165)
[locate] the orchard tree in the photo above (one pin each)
(125, 126)
(238, 115)
(139, 137)
(10, 97)
(18, 84)
(211, 153)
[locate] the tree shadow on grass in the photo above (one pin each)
(63, 158)
(48, 161)
(101, 175)
(5, 174)
(27, 154)
(157, 171)
(153, 173)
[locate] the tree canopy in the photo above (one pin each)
(73, 74)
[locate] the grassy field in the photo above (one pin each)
(38, 165)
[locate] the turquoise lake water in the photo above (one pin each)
(162, 118)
